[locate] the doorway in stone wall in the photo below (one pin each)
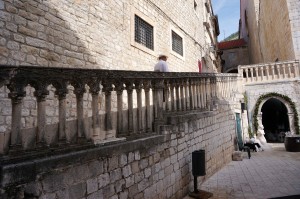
(275, 120)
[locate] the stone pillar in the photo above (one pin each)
(129, 88)
(16, 95)
(198, 94)
(79, 91)
(273, 71)
(94, 89)
(158, 104)
(195, 100)
(172, 87)
(178, 104)
(192, 105)
(107, 89)
(138, 87)
(251, 72)
(182, 96)
(289, 70)
(119, 90)
(167, 95)
(147, 86)
(203, 83)
(40, 94)
(186, 89)
(61, 93)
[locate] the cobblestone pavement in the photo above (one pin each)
(271, 173)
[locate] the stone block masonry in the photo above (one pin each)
(158, 166)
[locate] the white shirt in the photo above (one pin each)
(161, 66)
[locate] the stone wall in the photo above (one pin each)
(99, 34)
(294, 16)
(275, 31)
(235, 57)
(153, 167)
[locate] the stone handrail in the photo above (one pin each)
(171, 92)
(269, 71)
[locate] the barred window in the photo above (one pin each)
(177, 44)
(143, 33)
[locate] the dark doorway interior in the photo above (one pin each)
(275, 120)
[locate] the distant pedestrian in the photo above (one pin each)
(162, 65)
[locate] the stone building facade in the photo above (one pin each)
(107, 35)
(271, 29)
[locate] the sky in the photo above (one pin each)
(228, 12)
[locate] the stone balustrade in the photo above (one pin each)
(269, 71)
(134, 103)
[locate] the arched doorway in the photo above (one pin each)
(288, 109)
(275, 120)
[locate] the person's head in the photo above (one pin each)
(163, 57)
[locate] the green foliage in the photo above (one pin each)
(250, 133)
(287, 99)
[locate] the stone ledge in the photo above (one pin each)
(176, 118)
(16, 172)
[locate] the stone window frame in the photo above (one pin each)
(179, 33)
(135, 12)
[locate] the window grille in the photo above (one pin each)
(143, 33)
(177, 44)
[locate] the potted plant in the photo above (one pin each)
(292, 142)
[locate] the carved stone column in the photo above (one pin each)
(107, 89)
(79, 92)
(119, 89)
(16, 95)
(138, 87)
(167, 95)
(172, 87)
(94, 89)
(178, 104)
(182, 98)
(191, 85)
(208, 93)
(129, 88)
(40, 94)
(187, 100)
(147, 86)
(203, 84)
(61, 92)
(158, 104)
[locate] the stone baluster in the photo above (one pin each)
(79, 92)
(195, 94)
(178, 103)
(202, 90)
(16, 95)
(284, 70)
(278, 71)
(251, 73)
(182, 97)
(186, 89)
(61, 92)
(191, 84)
(267, 68)
(138, 88)
(172, 88)
(296, 67)
(289, 70)
(256, 74)
(198, 93)
(273, 71)
(208, 99)
(167, 95)
(147, 86)
(94, 90)
(119, 87)
(107, 89)
(40, 93)
(247, 74)
(262, 73)
(129, 88)
(158, 103)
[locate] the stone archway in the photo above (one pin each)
(291, 114)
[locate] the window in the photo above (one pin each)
(177, 44)
(143, 32)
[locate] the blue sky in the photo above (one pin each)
(228, 12)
